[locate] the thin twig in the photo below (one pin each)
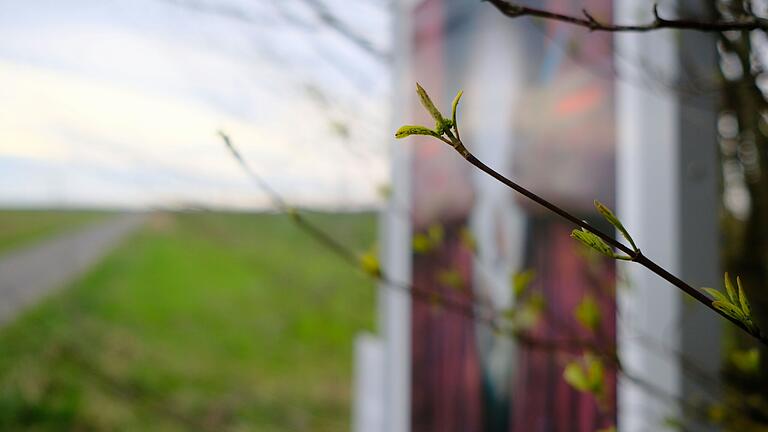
(636, 256)
(588, 21)
(487, 316)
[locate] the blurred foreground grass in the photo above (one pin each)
(21, 227)
(199, 322)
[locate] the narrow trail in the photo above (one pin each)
(31, 272)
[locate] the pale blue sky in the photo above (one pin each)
(117, 102)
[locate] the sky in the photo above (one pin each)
(118, 102)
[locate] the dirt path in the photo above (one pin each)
(28, 274)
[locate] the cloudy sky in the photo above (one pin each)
(117, 102)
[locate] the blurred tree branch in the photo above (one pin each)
(333, 22)
(321, 11)
(572, 344)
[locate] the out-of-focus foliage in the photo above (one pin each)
(588, 313)
(586, 375)
(428, 241)
(521, 281)
(451, 278)
(746, 361)
(369, 263)
(528, 306)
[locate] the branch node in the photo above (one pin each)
(657, 19)
(592, 23)
(516, 10)
(586, 20)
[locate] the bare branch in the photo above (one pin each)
(747, 23)
(635, 255)
(333, 22)
(319, 9)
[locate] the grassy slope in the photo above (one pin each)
(20, 227)
(200, 322)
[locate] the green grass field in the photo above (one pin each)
(198, 322)
(21, 227)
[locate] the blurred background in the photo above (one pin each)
(193, 191)
(201, 309)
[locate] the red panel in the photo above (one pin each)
(446, 385)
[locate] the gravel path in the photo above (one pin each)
(30, 273)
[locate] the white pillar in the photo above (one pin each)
(368, 406)
(667, 189)
(395, 235)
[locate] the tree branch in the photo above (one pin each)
(635, 256)
(336, 24)
(588, 21)
(467, 308)
(484, 315)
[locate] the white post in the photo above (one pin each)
(368, 406)
(667, 189)
(647, 160)
(395, 305)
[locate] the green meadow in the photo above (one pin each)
(199, 321)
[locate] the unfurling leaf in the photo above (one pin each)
(409, 130)
(421, 244)
(717, 295)
(585, 375)
(595, 373)
(521, 281)
(468, 239)
(729, 309)
(747, 361)
(588, 313)
(610, 217)
(454, 106)
(743, 299)
(426, 242)
(526, 314)
(369, 262)
(734, 312)
(735, 304)
(730, 290)
(575, 376)
(591, 240)
(530, 311)
(427, 102)
(451, 278)
(444, 127)
(436, 233)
